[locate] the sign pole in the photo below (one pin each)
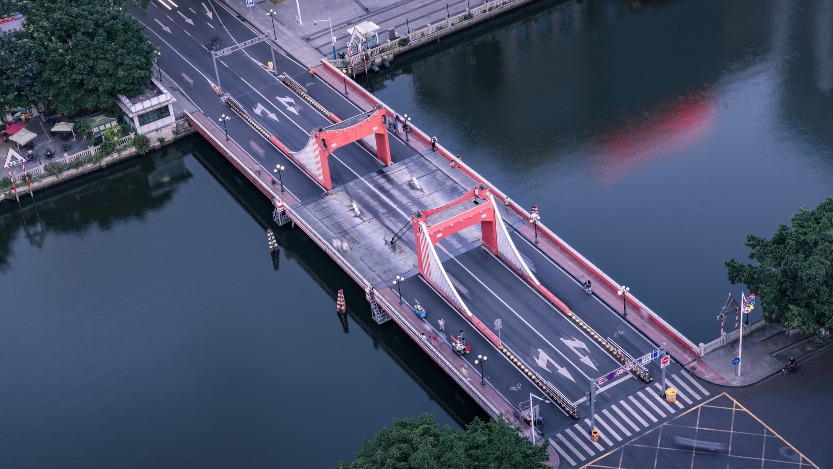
(592, 405)
(740, 343)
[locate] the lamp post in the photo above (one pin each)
(398, 282)
(223, 119)
(271, 14)
(279, 169)
(447, 12)
(407, 126)
(408, 25)
(480, 360)
(332, 37)
(623, 292)
(534, 218)
(532, 414)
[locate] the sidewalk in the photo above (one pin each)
(765, 352)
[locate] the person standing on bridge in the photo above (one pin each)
(434, 143)
(441, 323)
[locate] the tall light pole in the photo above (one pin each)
(398, 282)
(223, 119)
(480, 360)
(298, 6)
(332, 37)
(623, 292)
(532, 414)
(158, 70)
(534, 218)
(279, 169)
(271, 15)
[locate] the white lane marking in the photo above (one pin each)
(601, 434)
(626, 418)
(610, 417)
(694, 382)
(662, 401)
(581, 456)
(164, 28)
(187, 20)
(643, 409)
(259, 110)
(679, 396)
(212, 26)
(289, 103)
(542, 359)
(618, 380)
(650, 401)
(578, 440)
(192, 10)
(207, 11)
(641, 334)
(576, 344)
(682, 385)
(562, 452)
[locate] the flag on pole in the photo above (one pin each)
(749, 304)
(731, 306)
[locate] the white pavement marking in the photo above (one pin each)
(601, 434)
(608, 429)
(616, 422)
(662, 401)
(618, 380)
(679, 382)
(578, 440)
(562, 452)
(212, 26)
(643, 409)
(695, 383)
(649, 400)
(164, 28)
(679, 396)
(581, 456)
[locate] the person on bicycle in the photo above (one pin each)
(587, 286)
(792, 364)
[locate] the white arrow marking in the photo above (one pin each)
(208, 12)
(187, 20)
(542, 360)
(164, 28)
(259, 109)
(289, 103)
(576, 344)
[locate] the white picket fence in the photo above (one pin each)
(39, 171)
(730, 337)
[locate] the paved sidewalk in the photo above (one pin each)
(765, 352)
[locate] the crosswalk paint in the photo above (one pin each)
(662, 401)
(626, 419)
(636, 403)
(562, 452)
(578, 440)
(694, 382)
(608, 429)
(679, 382)
(581, 456)
(616, 422)
(650, 401)
(602, 434)
(630, 422)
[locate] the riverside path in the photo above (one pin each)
(410, 223)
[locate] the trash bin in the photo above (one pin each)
(671, 395)
(594, 435)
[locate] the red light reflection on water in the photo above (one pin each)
(666, 130)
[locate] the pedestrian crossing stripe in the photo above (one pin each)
(640, 412)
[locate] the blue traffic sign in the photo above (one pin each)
(736, 361)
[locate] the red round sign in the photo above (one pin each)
(665, 360)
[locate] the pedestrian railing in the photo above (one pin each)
(730, 337)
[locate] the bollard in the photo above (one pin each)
(594, 436)
(671, 395)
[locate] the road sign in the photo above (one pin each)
(498, 323)
(655, 353)
(665, 361)
(736, 361)
(250, 3)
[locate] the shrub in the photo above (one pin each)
(5, 183)
(141, 144)
(404, 42)
(54, 169)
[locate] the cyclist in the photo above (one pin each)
(588, 287)
(792, 364)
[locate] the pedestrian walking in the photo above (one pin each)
(434, 143)
(424, 337)
(462, 337)
(441, 323)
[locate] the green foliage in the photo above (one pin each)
(5, 183)
(793, 274)
(161, 141)
(82, 126)
(86, 53)
(17, 70)
(421, 443)
(141, 144)
(404, 42)
(54, 168)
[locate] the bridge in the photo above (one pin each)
(410, 222)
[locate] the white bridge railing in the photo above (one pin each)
(729, 337)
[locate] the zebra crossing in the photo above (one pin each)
(625, 419)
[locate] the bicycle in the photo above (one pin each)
(787, 370)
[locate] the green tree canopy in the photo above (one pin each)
(422, 443)
(87, 53)
(793, 273)
(17, 70)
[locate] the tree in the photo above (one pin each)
(793, 275)
(421, 443)
(87, 53)
(17, 70)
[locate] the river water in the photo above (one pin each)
(145, 324)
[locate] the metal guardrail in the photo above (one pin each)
(551, 391)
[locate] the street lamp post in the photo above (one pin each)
(480, 360)
(532, 414)
(398, 282)
(158, 70)
(279, 169)
(223, 119)
(623, 292)
(332, 37)
(271, 15)
(534, 218)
